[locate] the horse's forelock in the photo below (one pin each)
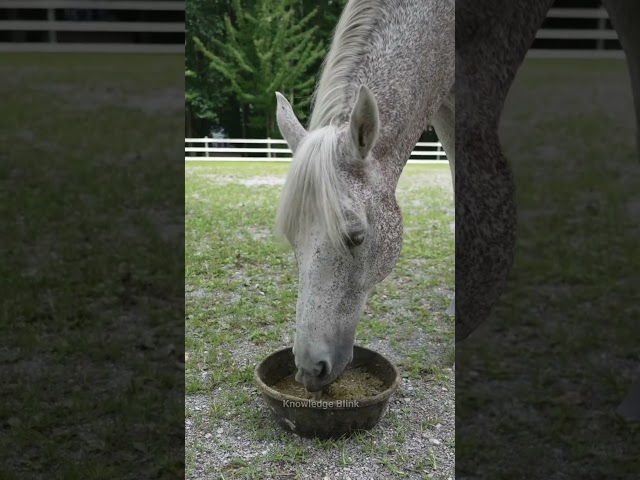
(312, 191)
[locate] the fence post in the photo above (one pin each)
(268, 147)
(206, 146)
(602, 22)
(51, 17)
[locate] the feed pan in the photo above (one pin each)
(323, 418)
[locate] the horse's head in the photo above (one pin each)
(339, 213)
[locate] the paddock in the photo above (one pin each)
(240, 294)
(241, 288)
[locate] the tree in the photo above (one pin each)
(206, 95)
(267, 49)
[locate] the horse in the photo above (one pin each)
(389, 70)
(492, 39)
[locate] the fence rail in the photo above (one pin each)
(577, 13)
(56, 30)
(15, 25)
(599, 34)
(89, 26)
(92, 4)
(227, 150)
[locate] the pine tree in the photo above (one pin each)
(206, 95)
(267, 49)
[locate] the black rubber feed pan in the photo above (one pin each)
(320, 418)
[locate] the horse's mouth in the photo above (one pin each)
(315, 384)
(317, 395)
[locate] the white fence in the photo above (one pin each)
(262, 150)
(55, 24)
(599, 34)
(58, 19)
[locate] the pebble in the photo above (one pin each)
(435, 441)
(220, 430)
(208, 435)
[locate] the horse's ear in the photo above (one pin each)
(290, 128)
(364, 121)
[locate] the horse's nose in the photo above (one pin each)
(317, 369)
(311, 374)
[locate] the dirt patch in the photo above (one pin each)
(269, 181)
(98, 97)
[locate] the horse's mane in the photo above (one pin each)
(351, 38)
(312, 189)
(311, 192)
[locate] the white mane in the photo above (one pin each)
(332, 97)
(311, 192)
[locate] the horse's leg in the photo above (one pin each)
(625, 17)
(491, 43)
(444, 122)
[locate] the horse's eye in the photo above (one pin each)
(354, 239)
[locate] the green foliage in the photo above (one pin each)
(205, 95)
(278, 37)
(266, 48)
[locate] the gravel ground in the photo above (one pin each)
(220, 442)
(229, 430)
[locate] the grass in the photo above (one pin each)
(89, 314)
(241, 290)
(561, 346)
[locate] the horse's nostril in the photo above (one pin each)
(324, 369)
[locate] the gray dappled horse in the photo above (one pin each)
(492, 39)
(390, 68)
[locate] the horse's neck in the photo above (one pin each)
(410, 69)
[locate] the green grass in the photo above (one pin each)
(568, 131)
(237, 273)
(76, 390)
(241, 290)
